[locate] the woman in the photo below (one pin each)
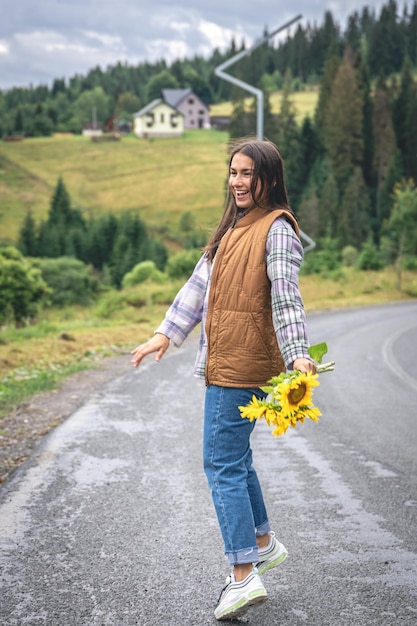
(245, 292)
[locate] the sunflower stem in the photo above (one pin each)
(326, 367)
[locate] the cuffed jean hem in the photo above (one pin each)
(263, 529)
(243, 556)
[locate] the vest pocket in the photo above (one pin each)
(243, 347)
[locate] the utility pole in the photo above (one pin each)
(219, 71)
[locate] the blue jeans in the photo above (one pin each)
(234, 485)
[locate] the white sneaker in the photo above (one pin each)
(271, 556)
(237, 597)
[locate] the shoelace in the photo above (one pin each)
(228, 582)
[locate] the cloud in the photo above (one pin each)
(47, 39)
(4, 47)
(218, 36)
(169, 50)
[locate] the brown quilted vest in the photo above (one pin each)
(243, 350)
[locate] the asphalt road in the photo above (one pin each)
(111, 522)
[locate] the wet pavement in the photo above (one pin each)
(111, 522)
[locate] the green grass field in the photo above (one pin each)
(304, 104)
(159, 179)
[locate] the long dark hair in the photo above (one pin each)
(268, 169)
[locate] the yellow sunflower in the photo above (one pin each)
(297, 392)
(254, 410)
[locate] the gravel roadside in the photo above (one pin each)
(30, 421)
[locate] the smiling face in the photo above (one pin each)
(241, 180)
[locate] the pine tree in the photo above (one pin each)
(404, 118)
(288, 141)
(353, 32)
(18, 121)
(309, 151)
(411, 36)
(60, 208)
(343, 137)
(28, 239)
(367, 121)
(330, 70)
(328, 215)
(386, 42)
(242, 122)
(402, 226)
(384, 142)
(308, 213)
(394, 174)
(354, 226)
(50, 241)
(298, 54)
(270, 128)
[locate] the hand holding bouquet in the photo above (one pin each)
(290, 396)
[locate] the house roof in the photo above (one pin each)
(149, 107)
(175, 96)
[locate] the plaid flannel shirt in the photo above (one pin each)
(284, 256)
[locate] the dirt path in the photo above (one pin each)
(32, 420)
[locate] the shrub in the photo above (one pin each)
(142, 272)
(181, 265)
(22, 288)
(324, 260)
(71, 280)
(410, 263)
(369, 257)
(349, 256)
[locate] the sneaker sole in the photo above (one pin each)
(262, 569)
(240, 608)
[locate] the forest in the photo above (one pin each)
(351, 168)
(381, 43)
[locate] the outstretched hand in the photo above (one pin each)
(159, 344)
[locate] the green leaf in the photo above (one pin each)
(318, 351)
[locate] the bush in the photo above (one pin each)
(324, 260)
(71, 280)
(349, 256)
(22, 288)
(410, 263)
(181, 265)
(142, 272)
(387, 251)
(369, 257)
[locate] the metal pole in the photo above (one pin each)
(219, 71)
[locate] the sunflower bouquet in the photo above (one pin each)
(290, 396)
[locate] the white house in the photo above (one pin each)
(158, 119)
(196, 113)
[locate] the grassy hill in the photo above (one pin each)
(160, 179)
(304, 104)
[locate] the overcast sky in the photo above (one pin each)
(45, 39)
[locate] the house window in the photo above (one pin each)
(201, 112)
(149, 119)
(190, 100)
(162, 118)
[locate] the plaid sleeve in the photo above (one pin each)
(284, 256)
(186, 311)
